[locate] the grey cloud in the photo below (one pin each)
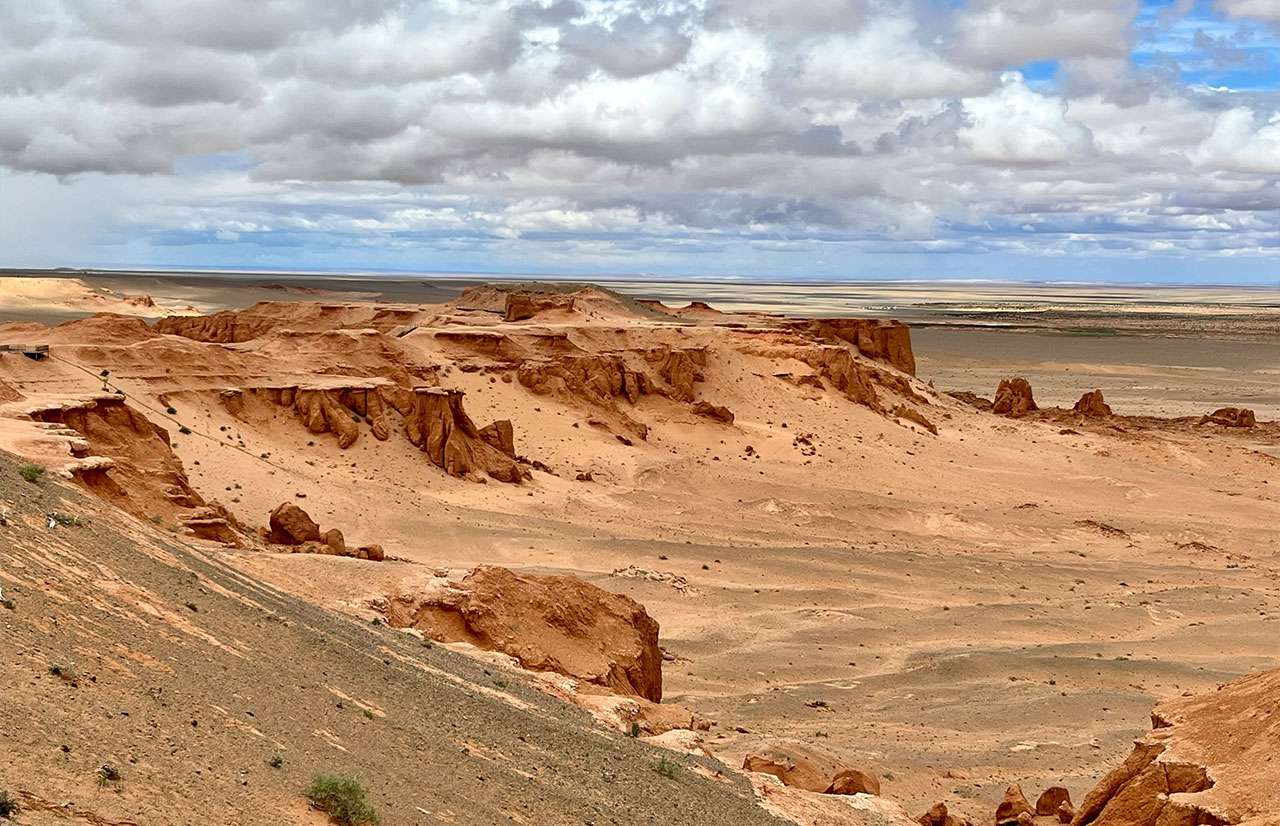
(632, 46)
(680, 123)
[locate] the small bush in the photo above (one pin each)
(342, 798)
(666, 768)
(66, 673)
(172, 411)
(32, 473)
(9, 806)
(276, 762)
(108, 774)
(184, 430)
(66, 520)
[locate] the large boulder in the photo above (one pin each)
(1211, 759)
(1014, 398)
(804, 767)
(547, 623)
(1092, 405)
(291, 525)
(1014, 805)
(1231, 417)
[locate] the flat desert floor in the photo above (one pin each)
(1000, 602)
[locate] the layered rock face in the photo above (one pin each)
(1014, 398)
(439, 427)
(1211, 759)
(548, 623)
(142, 474)
(1092, 405)
(804, 767)
(523, 305)
(604, 379)
(882, 340)
(226, 327)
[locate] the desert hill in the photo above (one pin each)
(950, 593)
(216, 698)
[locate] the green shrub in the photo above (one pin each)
(342, 798)
(108, 775)
(9, 806)
(66, 673)
(32, 473)
(666, 768)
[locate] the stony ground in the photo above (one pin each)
(217, 699)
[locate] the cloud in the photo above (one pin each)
(1257, 9)
(639, 131)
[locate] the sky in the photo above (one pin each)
(1090, 140)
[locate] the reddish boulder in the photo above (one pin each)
(1092, 405)
(713, 411)
(1231, 417)
(291, 525)
(804, 767)
(1013, 806)
(548, 623)
(1051, 799)
(373, 553)
(335, 540)
(500, 435)
(939, 816)
(1013, 398)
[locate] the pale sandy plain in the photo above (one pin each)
(1001, 602)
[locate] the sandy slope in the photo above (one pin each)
(1000, 602)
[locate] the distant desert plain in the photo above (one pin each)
(890, 523)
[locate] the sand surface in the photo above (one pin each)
(1000, 602)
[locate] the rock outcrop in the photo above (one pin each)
(226, 327)
(1092, 405)
(1211, 759)
(939, 816)
(439, 427)
(713, 411)
(878, 339)
(1014, 398)
(603, 380)
(1013, 807)
(138, 470)
(804, 767)
(547, 623)
(293, 527)
(1231, 417)
(1051, 800)
(680, 368)
(524, 305)
(903, 411)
